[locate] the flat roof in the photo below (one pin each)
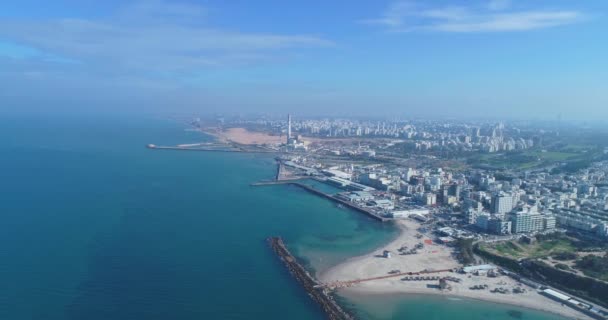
(480, 267)
(556, 294)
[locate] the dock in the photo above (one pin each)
(319, 294)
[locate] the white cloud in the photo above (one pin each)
(154, 37)
(494, 16)
(498, 4)
(511, 22)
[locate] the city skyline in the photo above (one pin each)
(494, 59)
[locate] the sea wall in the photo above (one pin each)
(319, 294)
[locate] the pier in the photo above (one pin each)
(209, 148)
(318, 293)
(310, 189)
(340, 201)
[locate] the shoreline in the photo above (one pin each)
(347, 270)
(349, 293)
(436, 257)
(323, 275)
(243, 136)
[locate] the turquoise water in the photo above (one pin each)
(384, 307)
(95, 226)
(327, 188)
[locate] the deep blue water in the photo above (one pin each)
(95, 226)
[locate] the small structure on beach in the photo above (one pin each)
(386, 254)
(479, 269)
(444, 285)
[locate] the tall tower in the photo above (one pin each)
(288, 128)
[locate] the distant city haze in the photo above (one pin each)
(493, 59)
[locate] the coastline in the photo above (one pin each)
(348, 270)
(242, 136)
(436, 257)
(565, 313)
(349, 294)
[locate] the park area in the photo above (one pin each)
(519, 249)
(557, 250)
(522, 159)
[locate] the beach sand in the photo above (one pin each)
(244, 136)
(436, 257)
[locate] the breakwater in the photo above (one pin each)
(218, 148)
(311, 189)
(340, 201)
(319, 294)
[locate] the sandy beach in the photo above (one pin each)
(435, 257)
(244, 136)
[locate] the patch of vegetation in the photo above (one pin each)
(568, 281)
(562, 266)
(509, 248)
(572, 167)
(549, 236)
(546, 245)
(502, 260)
(524, 159)
(564, 256)
(465, 247)
(581, 162)
(553, 156)
(594, 266)
(588, 288)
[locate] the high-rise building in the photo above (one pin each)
(409, 174)
(471, 215)
(602, 230)
(499, 226)
(472, 204)
(529, 222)
(502, 203)
(549, 222)
(430, 199)
(435, 182)
(288, 128)
(538, 222)
(481, 221)
(455, 190)
(521, 222)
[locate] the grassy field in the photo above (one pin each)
(594, 266)
(522, 160)
(554, 155)
(572, 147)
(517, 250)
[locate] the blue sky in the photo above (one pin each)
(490, 58)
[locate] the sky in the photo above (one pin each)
(469, 59)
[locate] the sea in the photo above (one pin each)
(93, 225)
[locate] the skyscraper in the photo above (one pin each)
(288, 128)
(502, 203)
